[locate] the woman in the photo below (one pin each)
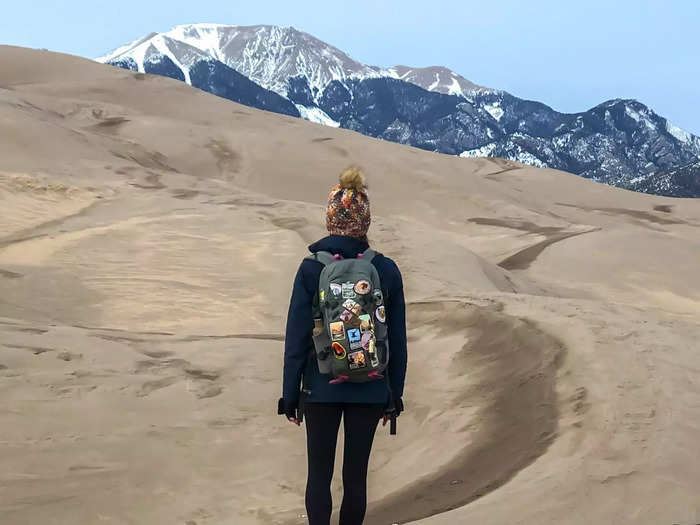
(360, 405)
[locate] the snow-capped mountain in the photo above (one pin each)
(156, 55)
(271, 55)
(620, 142)
(268, 55)
(152, 48)
(614, 142)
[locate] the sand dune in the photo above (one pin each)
(148, 238)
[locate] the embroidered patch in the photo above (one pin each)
(318, 326)
(337, 331)
(336, 289)
(378, 297)
(357, 360)
(353, 322)
(339, 351)
(380, 314)
(366, 338)
(346, 315)
(348, 290)
(371, 351)
(322, 295)
(365, 323)
(371, 347)
(362, 287)
(353, 307)
(355, 339)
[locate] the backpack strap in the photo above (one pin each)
(325, 258)
(369, 254)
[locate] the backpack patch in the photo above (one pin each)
(365, 323)
(337, 331)
(380, 313)
(339, 351)
(362, 287)
(348, 290)
(357, 360)
(355, 338)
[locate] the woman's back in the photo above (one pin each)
(300, 325)
(323, 400)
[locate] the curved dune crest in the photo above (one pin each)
(32, 200)
(506, 414)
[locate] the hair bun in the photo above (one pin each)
(352, 178)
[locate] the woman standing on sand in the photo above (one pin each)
(360, 405)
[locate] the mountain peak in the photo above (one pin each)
(270, 55)
(267, 54)
(435, 78)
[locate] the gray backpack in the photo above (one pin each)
(350, 332)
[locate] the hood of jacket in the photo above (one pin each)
(347, 247)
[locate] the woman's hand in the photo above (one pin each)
(289, 410)
(393, 408)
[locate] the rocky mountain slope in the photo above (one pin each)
(677, 182)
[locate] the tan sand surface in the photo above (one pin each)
(149, 234)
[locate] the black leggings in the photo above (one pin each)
(322, 423)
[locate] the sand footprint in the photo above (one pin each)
(151, 386)
(204, 382)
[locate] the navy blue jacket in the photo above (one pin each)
(298, 357)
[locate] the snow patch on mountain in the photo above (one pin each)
(483, 151)
(679, 133)
(206, 37)
(634, 114)
(163, 47)
(515, 152)
(455, 88)
(436, 83)
(434, 78)
(314, 114)
(494, 110)
(639, 117)
(528, 158)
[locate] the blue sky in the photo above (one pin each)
(571, 55)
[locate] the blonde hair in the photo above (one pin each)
(352, 178)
